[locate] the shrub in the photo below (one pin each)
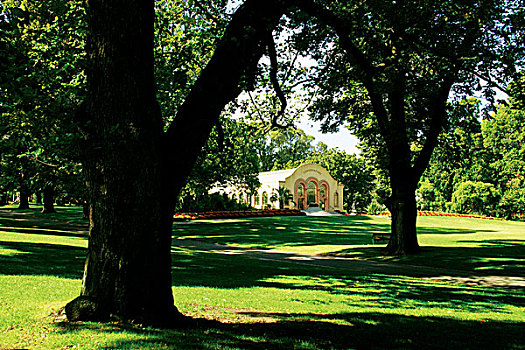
(209, 202)
(375, 208)
(475, 197)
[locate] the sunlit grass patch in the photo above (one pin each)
(250, 303)
(454, 243)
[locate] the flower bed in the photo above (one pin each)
(238, 214)
(433, 213)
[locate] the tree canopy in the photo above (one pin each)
(137, 88)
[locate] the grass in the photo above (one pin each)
(267, 304)
(483, 246)
(71, 214)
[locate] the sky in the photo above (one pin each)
(342, 139)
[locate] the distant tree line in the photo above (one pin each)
(133, 89)
(479, 164)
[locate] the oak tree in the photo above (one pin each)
(134, 168)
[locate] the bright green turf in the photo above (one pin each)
(266, 304)
(487, 246)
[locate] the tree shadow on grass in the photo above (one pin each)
(292, 231)
(323, 331)
(494, 257)
(342, 330)
(53, 231)
(66, 219)
(217, 271)
(264, 232)
(295, 231)
(42, 259)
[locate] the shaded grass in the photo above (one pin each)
(304, 234)
(254, 303)
(279, 307)
(70, 214)
(481, 246)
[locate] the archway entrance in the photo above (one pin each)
(323, 197)
(311, 193)
(300, 197)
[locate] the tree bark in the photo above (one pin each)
(127, 272)
(38, 196)
(403, 208)
(135, 172)
(85, 209)
(49, 199)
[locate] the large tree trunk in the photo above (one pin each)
(403, 177)
(134, 172)
(49, 199)
(128, 270)
(402, 206)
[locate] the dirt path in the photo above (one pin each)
(357, 265)
(351, 264)
(28, 221)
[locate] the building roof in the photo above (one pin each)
(282, 175)
(278, 175)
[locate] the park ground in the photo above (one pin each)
(283, 282)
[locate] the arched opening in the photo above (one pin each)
(300, 197)
(311, 192)
(323, 197)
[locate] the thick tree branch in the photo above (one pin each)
(439, 104)
(359, 58)
(274, 68)
(207, 13)
(343, 30)
(435, 127)
(239, 49)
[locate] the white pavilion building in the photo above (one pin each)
(306, 184)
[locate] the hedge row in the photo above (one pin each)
(238, 214)
(433, 213)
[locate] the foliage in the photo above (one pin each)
(40, 87)
(484, 159)
(354, 172)
(229, 159)
(459, 156)
(283, 148)
(424, 43)
(475, 197)
(207, 202)
(185, 38)
(503, 135)
(284, 196)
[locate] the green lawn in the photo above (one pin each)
(487, 246)
(268, 304)
(70, 214)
